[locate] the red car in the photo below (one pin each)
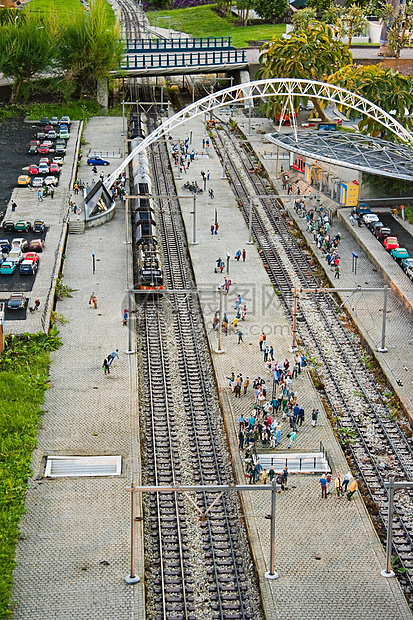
(33, 169)
(43, 149)
(54, 169)
(391, 243)
(32, 256)
(36, 245)
(48, 128)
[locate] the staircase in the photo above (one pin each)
(76, 227)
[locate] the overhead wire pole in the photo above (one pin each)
(204, 488)
(330, 291)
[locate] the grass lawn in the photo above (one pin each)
(201, 21)
(23, 381)
(64, 8)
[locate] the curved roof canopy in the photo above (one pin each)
(351, 150)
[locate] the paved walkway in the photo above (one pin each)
(327, 550)
(74, 552)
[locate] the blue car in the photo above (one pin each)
(7, 268)
(97, 161)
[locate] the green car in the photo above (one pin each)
(64, 134)
(400, 253)
(7, 268)
(24, 225)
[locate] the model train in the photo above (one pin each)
(148, 263)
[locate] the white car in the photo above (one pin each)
(58, 160)
(15, 256)
(43, 168)
(37, 182)
(370, 217)
(51, 181)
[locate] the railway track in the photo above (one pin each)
(216, 556)
(378, 446)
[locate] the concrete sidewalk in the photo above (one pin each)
(74, 552)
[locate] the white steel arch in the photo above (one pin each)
(277, 87)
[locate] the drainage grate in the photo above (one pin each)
(75, 466)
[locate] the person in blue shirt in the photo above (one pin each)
(323, 484)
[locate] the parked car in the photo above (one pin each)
(5, 246)
(20, 243)
(407, 263)
(54, 121)
(43, 148)
(23, 225)
(48, 128)
(36, 245)
(58, 160)
(32, 149)
(7, 268)
(23, 180)
(49, 143)
(32, 256)
(383, 233)
(64, 134)
(38, 226)
(33, 169)
(373, 225)
(51, 181)
(28, 267)
(43, 168)
(390, 243)
(37, 182)
(15, 256)
(54, 168)
(44, 120)
(65, 120)
(44, 160)
(60, 149)
(363, 208)
(52, 135)
(34, 142)
(399, 253)
(40, 136)
(97, 161)
(370, 217)
(16, 301)
(8, 225)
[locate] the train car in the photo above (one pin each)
(136, 130)
(149, 267)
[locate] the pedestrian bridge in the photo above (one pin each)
(151, 57)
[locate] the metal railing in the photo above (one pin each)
(199, 43)
(191, 59)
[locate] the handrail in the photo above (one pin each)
(183, 59)
(132, 45)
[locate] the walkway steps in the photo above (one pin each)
(76, 227)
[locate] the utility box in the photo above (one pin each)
(349, 194)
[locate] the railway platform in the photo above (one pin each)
(328, 555)
(74, 552)
(375, 269)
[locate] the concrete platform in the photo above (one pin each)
(74, 553)
(328, 554)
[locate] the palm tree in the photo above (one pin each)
(90, 46)
(28, 45)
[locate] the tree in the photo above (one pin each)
(313, 53)
(352, 23)
(244, 7)
(319, 5)
(386, 88)
(271, 10)
(401, 33)
(90, 46)
(28, 44)
(304, 18)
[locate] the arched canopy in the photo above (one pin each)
(262, 89)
